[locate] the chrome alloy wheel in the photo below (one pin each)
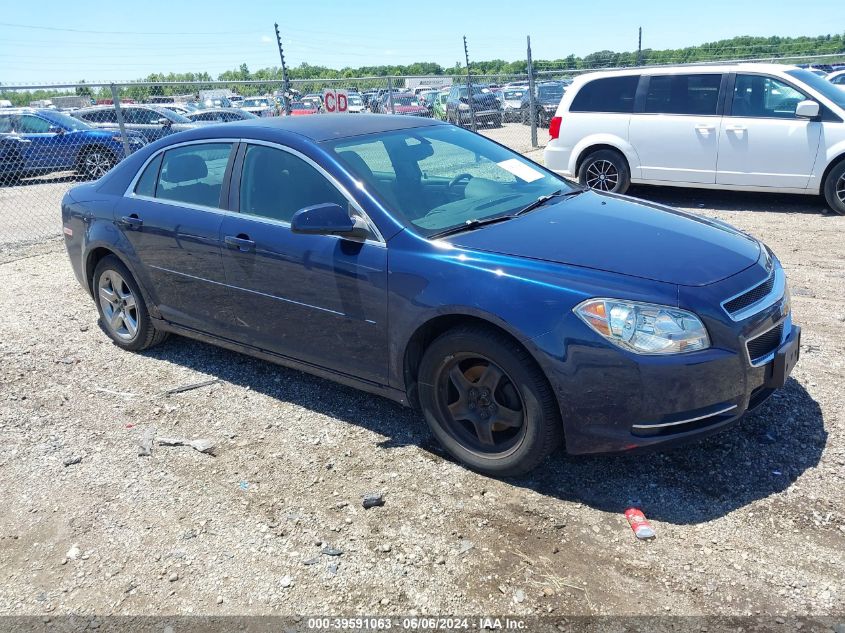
(119, 305)
(602, 175)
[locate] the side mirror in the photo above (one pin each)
(164, 122)
(55, 129)
(328, 219)
(807, 109)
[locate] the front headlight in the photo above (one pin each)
(463, 106)
(644, 328)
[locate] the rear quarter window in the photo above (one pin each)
(607, 94)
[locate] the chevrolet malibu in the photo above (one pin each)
(419, 261)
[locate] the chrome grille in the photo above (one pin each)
(750, 297)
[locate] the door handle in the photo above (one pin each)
(131, 221)
(703, 127)
(240, 242)
(735, 128)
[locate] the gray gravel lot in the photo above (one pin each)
(751, 521)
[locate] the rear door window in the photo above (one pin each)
(193, 174)
(607, 94)
(683, 94)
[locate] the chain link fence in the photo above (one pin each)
(53, 137)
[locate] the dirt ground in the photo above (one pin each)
(749, 522)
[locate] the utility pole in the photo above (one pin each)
(469, 91)
(285, 81)
(640, 48)
(532, 104)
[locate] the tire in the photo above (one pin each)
(94, 162)
(472, 379)
(497, 121)
(605, 170)
(834, 188)
(120, 304)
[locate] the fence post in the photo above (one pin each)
(390, 94)
(119, 114)
(469, 91)
(532, 104)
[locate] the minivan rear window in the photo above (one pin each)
(607, 94)
(683, 94)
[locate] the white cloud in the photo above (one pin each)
(266, 39)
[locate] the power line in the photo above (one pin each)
(66, 30)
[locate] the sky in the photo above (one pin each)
(48, 41)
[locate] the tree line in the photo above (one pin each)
(743, 47)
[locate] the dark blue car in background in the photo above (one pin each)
(425, 263)
(39, 141)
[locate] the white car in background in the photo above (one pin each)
(355, 104)
(837, 78)
(744, 127)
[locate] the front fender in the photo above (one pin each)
(612, 140)
(833, 155)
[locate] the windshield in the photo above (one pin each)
(513, 95)
(67, 122)
(820, 85)
(356, 101)
(476, 90)
(255, 103)
(302, 106)
(172, 115)
(440, 177)
(405, 101)
(550, 92)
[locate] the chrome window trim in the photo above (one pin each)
(687, 421)
(768, 358)
(775, 295)
(130, 190)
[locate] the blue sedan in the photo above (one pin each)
(422, 262)
(39, 141)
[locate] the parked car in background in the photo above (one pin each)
(214, 102)
(430, 265)
(355, 103)
(487, 108)
(41, 141)
(512, 103)
(405, 103)
(837, 78)
(546, 100)
(749, 127)
(260, 106)
(300, 108)
(151, 121)
(220, 115)
(313, 102)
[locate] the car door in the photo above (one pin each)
(317, 298)
(47, 148)
(171, 217)
(762, 143)
(675, 127)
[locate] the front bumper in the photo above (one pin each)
(612, 401)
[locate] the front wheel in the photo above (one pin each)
(605, 170)
(834, 188)
(487, 402)
(123, 312)
(95, 162)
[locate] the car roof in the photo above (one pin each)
(320, 127)
(689, 68)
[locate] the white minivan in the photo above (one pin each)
(749, 127)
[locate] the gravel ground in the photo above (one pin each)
(748, 522)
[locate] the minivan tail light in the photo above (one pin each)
(554, 126)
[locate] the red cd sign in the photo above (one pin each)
(335, 100)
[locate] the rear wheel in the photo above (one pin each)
(487, 402)
(605, 170)
(123, 313)
(95, 162)
(834, 188)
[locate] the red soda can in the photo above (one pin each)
(641, 527)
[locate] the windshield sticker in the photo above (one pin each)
(520, 170)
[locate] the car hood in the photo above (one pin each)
(620, 235)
